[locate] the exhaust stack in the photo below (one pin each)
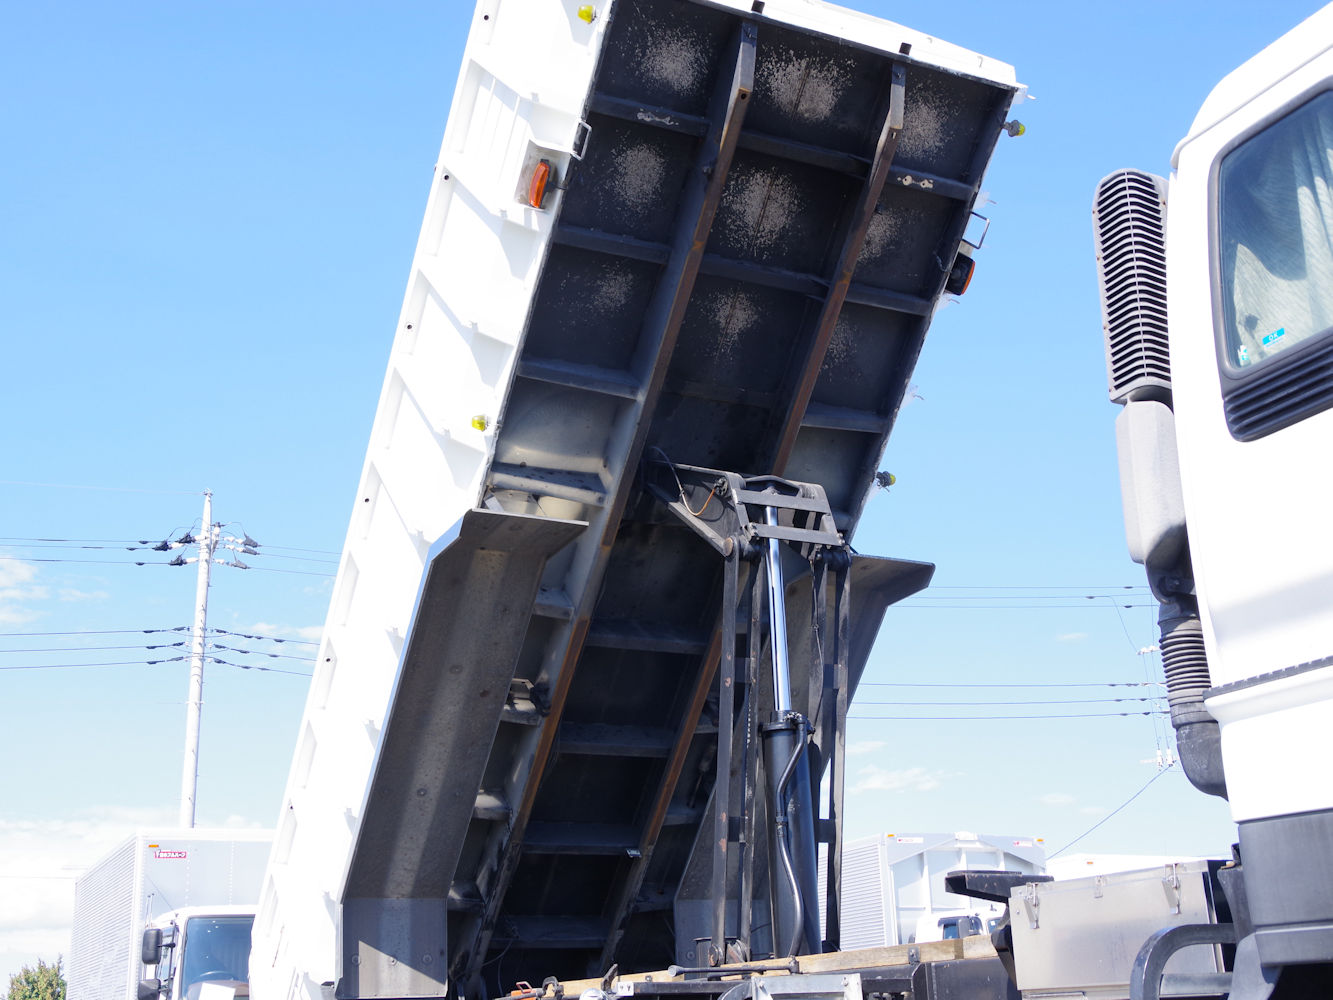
(1129, 226)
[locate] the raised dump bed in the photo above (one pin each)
(713, 233)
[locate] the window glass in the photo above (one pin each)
(217, 949)
(1275, 225)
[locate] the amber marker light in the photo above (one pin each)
(537, 186)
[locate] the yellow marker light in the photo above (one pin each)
(587, 13)
(479, 422)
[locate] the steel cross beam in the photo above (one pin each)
(806, 371)
(699, 203)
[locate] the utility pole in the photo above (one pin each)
(194, 707)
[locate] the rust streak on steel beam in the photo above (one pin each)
(808, 371)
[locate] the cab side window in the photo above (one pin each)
(1275, 269)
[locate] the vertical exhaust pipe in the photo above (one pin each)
(1129, 225)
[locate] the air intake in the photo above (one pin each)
(1129, 228)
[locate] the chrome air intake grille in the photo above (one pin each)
(1129, 227)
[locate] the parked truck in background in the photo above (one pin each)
(160, 879)
(198, 953)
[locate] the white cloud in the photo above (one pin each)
(1094, 810)
(14, 572)
(880, 779)
(39, 863)
(71, 594)
(17, 616)
(322, 589)
(1056, 799)
(861, 747)
(1071, 637)
(16, 589)
(25, 593)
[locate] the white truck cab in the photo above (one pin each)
(201, 953)
(1217, 294)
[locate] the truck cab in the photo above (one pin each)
(1218, 315)
(199, 954)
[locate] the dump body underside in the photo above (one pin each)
(738, 274)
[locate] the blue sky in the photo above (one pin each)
(207, 214)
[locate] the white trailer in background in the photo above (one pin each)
(149, 875)
(894, 888)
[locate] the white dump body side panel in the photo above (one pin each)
(147, 876)
(1257, 510)
(525, 73)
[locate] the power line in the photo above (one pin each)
(88, 541)
(1112, 812)
(983, 684)
(260, 652)
(267, 670)
(1114, 586)
(153, 631)
(911, 603)
(312, 559)
(90, 649)
(1044, 701)
(151, 663)
(99, 562)
(269, 638)
(927, 596)
(127, 545)
(105, 631)
(71, 666)
(990, 718)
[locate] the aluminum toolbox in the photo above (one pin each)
(1079, 937)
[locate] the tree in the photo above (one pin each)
(46, 982)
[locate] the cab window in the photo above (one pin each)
(1275, 219)
(217, 949)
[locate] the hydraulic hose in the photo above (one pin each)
(798, 751)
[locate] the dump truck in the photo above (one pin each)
(579, 711)
(597, 621)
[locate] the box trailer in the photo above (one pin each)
(150, 874)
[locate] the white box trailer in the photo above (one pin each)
(152, 873)
(894, 884)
